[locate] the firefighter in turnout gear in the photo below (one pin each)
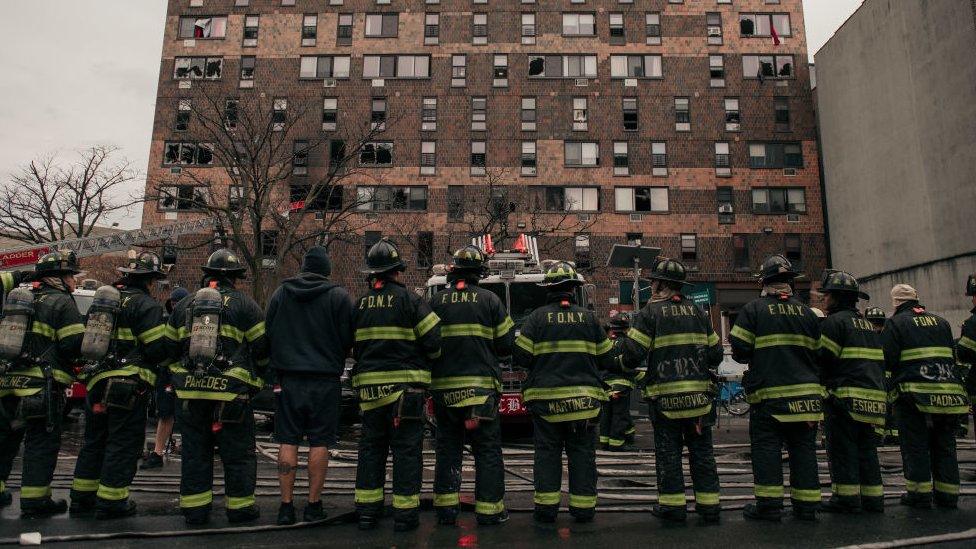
(928, 398)
(616, 424)
(397, 337)
(778, 336)
(852, 370)
(8, 281)
(466, 383)
(966, 346)
(682, 353)
(119, 384)
(563, 346)
(33, 381)
(218, 341)
(889, 433)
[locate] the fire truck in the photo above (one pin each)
(514, 276)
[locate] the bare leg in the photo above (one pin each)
(318, 464)
(164, 430)
(287, 465)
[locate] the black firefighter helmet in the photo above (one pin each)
(144, 264)
(57, 264)
(841, 282)
(971, 285)
(383, 257)
(670, 270)
(875, 315)
(777, 268)
(468, 258)
(224, 262)
(559, 274)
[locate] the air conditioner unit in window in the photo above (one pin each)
(793, 218)
(637, 217)
(789, 172)
(528, 170)
(377, 83)
(714, 31)
(582, 82)
(329, 83)
(725, 208)
(176, 170)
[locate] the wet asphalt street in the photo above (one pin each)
(626, 492)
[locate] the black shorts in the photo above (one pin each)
(307, 407)
(165, 401)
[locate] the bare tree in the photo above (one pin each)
(49, 200)
(266, 198)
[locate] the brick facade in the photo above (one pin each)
(691, 173)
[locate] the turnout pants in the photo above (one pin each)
(40, 450)
(928, 451)
(767, 437)
(670, 438)
(486, 445)
(616, 423)
(111, 450)
(852, 449)
(578, 438)
(234, 442)
(378, 438)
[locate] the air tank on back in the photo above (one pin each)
(17, 313)
(100, 324)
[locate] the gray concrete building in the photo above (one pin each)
(896, 88)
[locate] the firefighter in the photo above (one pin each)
(682, 352)
(889, 433)
(966, 346)
(466, 383)
(397, 336)
(563, 346)
(777, 335)
(218, 337)
(928, 398)
(616, 424)
(852, 370)
(32, 386)
(119, 387)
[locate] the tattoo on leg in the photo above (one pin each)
(286, 468)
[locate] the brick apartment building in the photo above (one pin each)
(688, 125)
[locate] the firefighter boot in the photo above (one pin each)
(872, 504)
(805, 512)
(545, 513)
(917, 500)
(114, 510)
(42, 508)
(196, 517)
(246, 514)
(82, 504)
(946, 501)
(492, 520)
(841, 505)
(447, 516)
(760, 511)
(405, 524)
(669, 513)
(710, 514)
(367, 522)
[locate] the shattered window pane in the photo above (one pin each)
(188, 152)
(205, 155)
(214, 67)
(537, 65)
(172, 153)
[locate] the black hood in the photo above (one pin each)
(307, 286)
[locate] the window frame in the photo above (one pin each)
(633, 189)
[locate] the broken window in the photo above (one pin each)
(181, 198)
(794, 252)
(203, 27)
(391, 197)
(556, 66)
(761, 24)
(315, 197)
(188, 154)
(299, 158)
(376, 153)
(617, 35)
(767, 66)
(198, 68)
(183, 112)
(231, 113)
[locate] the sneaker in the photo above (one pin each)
(314, 512)
(755, 512)
(447, 516)
(246, 514)
(115, 511)
(405, 525)
(45, 508)
(6, 498)
(668, 513)
(840, 506)
(808, 514)
(367, 522)
(916, 500)
(152, 461)
(492, 520)
(286, 514)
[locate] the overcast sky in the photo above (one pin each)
(84, 72)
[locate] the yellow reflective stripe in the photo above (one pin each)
(8, 284)
(920, 353)
(573, 416)
(232, 332)
(488, 508)
(70, 330)
(3, 486)
(525, 344)
(684, 414)
(967, 343)
(672, 500)
(406, 502)
(615, 441)
(123, 334)
(582, 502)
(112, 494)
(205, 395)
(845, 489)
(255, 332)
(713, 339)
(919, 487)
(794, 418)
(447, 500)
(546, 498)
(677, 387)
(741, 333)
(35, 492)
(182, 333)
(808, 496)
(146, 375)
(791, 340)
(604, 347)
(706, 498)
(43, 329)
(239, 502)
(640, 337)
(397, 376)
(936, 388)
(426, 324)
(385, 332)
(767, 491)
(554, 393)
(506, 326)
(830, 345)
(572, 346)
(242, 374)
(619, 382)
(59, 375)
(84, 484)
(62, 377)
(464, 382)
(369, 495)
(470, 401)
(872, 490)
(366, 405)
(671, 340)
(860, 392)
(946, 488)
(785, 391)
(866, 353)
(459, 330)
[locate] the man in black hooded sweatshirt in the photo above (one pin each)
(310, 331)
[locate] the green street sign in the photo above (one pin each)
(703, 294)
